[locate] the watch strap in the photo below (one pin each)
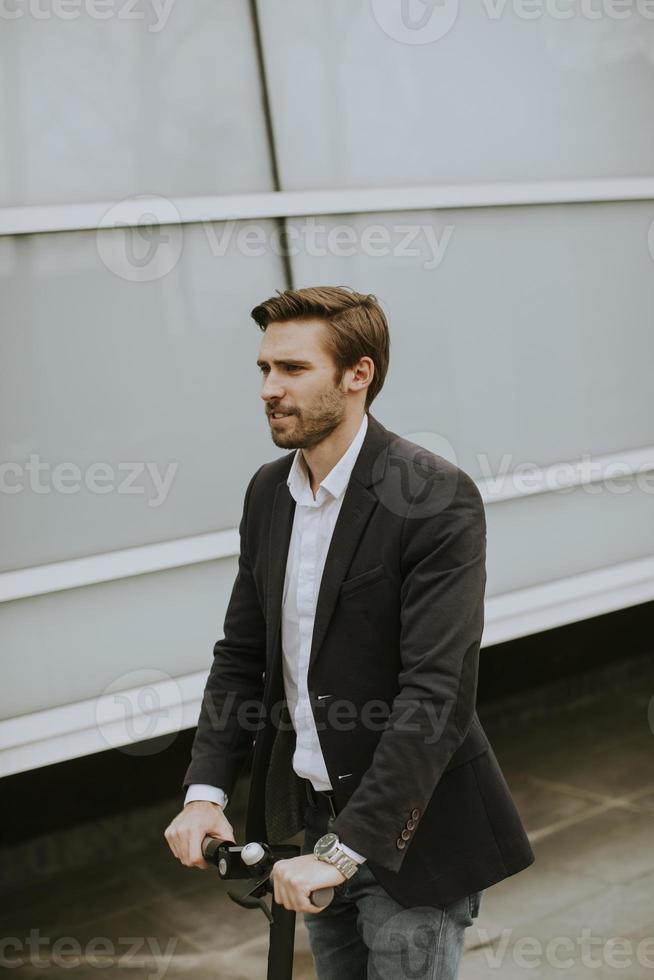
(345, 864)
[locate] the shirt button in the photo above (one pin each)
(415, 814)
(406, 834)
(400, 843)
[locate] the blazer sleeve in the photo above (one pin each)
(226, 727)
(443, 558)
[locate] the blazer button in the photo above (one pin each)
(400, 843)
(410, 824)
(406, 834)
(415, 814)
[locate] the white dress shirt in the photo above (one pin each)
(313, 525)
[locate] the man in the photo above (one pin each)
(353, 630)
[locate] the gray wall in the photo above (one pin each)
(519, 333)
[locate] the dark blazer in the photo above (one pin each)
(392, 677)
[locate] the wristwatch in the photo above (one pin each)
(327, 848)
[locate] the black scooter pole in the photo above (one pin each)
(255, 860)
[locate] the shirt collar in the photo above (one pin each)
(336, 480)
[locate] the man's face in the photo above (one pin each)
(299, 379)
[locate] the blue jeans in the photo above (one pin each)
(364, 934)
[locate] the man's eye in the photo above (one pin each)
(289, 367)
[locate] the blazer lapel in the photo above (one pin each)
(279, 540)
(356, 508)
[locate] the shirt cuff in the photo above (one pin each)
(201, 791)
(359, 858)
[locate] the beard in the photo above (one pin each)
(305, 429)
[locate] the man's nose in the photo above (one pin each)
(271, 388)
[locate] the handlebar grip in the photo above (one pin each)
(209, 847)
(321, 897)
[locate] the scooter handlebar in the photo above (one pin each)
(257, 858)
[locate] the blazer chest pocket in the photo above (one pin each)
(362, 580)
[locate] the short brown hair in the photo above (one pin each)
(357, 325)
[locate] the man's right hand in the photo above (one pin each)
(196, 821)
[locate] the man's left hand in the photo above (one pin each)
(295, 878)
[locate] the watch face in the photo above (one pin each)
(325, 843)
